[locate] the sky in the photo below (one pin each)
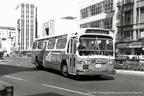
(47, 9)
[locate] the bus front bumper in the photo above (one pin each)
(90, 72)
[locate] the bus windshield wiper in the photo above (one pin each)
(105, 50)
(96, 45)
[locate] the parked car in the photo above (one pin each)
(6, 89)
(2, 55)
(141, 66)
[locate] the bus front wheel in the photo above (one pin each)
(64, 70)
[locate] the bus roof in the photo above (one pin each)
(77, 32)
(83, 31)
(50, 36)
(94, 28)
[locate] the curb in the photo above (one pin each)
(3, 60)
(130, 72)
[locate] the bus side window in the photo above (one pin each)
(44, 44)
(34, 45)
(40, 44)
(51, 44)
(61, 43)
(68, 47)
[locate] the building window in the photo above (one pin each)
(142, 15)
(96, 24)
(141, 33)
(128, 17)
(108, 23)
(137, 16)
(137, 35)
(85, 25)
(104, 23)
(84, 13)
(91, 10)
(128, 1)
(96, 9)
(108, 5)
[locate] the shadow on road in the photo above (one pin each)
(82, 78)
(46, 94)
(9, 69)
(92, 78)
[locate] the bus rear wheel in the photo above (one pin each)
(64, 70)
(37, 64)
(97, 76)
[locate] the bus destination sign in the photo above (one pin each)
(97, 31)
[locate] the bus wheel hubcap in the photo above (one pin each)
(64, 69)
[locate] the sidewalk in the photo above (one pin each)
(130, 72)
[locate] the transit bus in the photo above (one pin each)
(88, 51)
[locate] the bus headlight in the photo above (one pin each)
(9, 91)
(84, 62)
(111, 61)
(87, 62)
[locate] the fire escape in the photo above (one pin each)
(125, 21)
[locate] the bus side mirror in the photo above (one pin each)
(75, 41)
(77, 45)
(116, 51)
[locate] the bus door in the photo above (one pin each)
(42, 51)
(72, 55)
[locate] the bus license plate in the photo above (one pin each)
(85, 66)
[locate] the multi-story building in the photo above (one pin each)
(98, 14)
(26, 26)
(130, 27)
(7, 39)
(60, 26)
(7, 32)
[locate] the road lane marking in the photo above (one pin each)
(52, 86)
(15, 78)
(67, 90)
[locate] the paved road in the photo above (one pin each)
(28, 81)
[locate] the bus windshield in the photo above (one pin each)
(95, 45)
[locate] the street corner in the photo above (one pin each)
(130, 72)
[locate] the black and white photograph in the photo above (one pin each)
(71, 47)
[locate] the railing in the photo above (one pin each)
(140, 3)
(128, 1)
(119, 3)
(134, 63)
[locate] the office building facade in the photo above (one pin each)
(130, 27)
(60, 26)
(26, 25)
(98, 14)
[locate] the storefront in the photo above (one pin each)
(130, 48)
